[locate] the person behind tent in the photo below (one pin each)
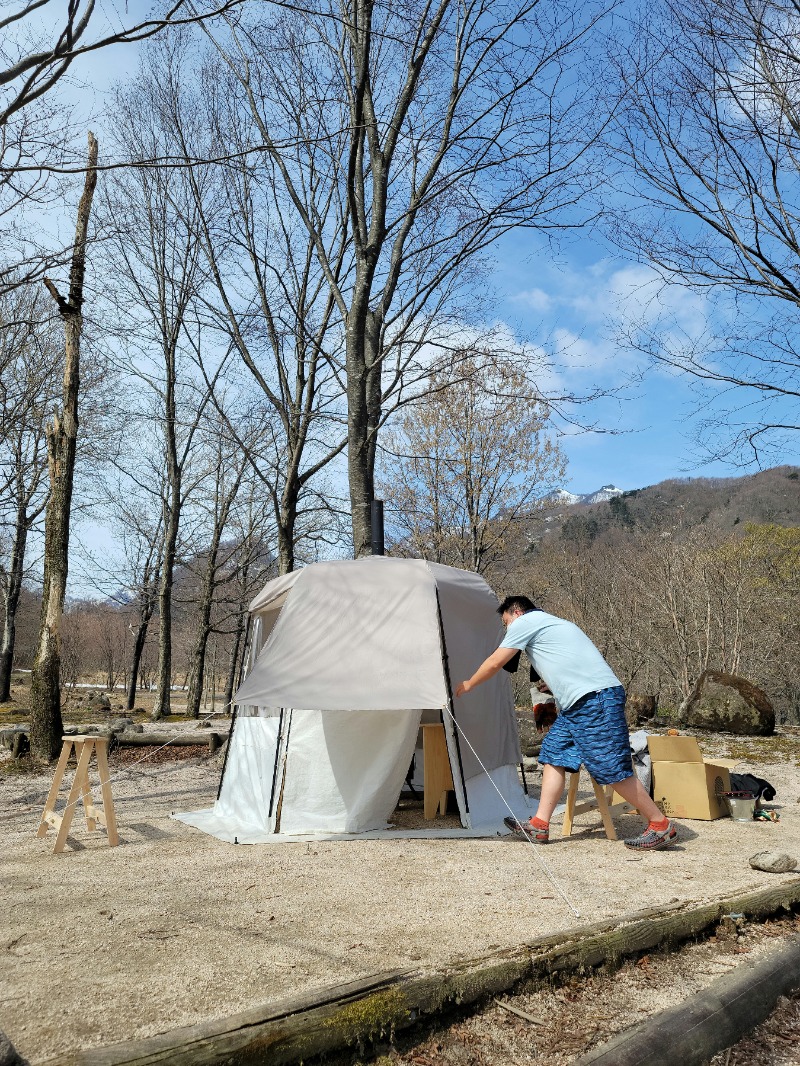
(543, 703)
(590, 729)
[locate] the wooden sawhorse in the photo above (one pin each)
(437, 776)
(600, 803)
(84, 747)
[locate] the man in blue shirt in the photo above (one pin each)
(591, 728)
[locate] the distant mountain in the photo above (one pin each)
(571, 498)
(770, 496)
(607, 492)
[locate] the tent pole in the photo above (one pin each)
(446, 667)
(277, 760)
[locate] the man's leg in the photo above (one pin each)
(553, 778)
(537, 829)
(632, 790)
(659, 831)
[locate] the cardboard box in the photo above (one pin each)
(685, 785)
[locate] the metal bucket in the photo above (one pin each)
(741, 805)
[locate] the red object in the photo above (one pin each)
(544, 714)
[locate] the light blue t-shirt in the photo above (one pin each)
(562, 654)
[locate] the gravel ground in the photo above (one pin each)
(174, 927)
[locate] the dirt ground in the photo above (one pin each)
(557, 1025)
(174, 926)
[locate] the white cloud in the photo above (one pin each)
(536, 299)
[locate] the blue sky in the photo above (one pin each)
(573, 302)
(569, 300)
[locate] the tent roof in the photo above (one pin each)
(364, 634)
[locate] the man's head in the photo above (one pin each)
(514, 606)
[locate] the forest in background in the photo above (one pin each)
(669, 580)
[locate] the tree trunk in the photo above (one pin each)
(233, 664)
(286, 516)
(138, 649)
(198, 663)
(361, 439)
(46, 723)
(12, 602)
(172, 509)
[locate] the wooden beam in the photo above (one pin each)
(361, 1012)
(694, 1031)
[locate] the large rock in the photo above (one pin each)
(529, 738)
(640, 708)
(773, 862)
(725, 703)
(99, 702)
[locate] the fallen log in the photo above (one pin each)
(362, 1012)
(141, 740)
(19, 739)
(694, 1031)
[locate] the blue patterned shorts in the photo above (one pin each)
(594, 733)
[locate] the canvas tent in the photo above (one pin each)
(346, 659)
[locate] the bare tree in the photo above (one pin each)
(267, 301)
(137, 579)
(29, 362)
(29, 71)
(62, 433)
(468, 463)
(249, 565)
(421, 131)
(41, 43)
(228, 468)
(709, 137)
(154, 267)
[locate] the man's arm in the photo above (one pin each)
(488, 668)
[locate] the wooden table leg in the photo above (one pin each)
(84, 749)
(569, 810)
(58, 777)
(602, 797)
(437, 776)
(109, 817)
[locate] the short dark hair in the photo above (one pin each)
(517, 603)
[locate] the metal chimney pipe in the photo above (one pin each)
(376, 512)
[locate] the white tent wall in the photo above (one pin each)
(241, 813)
(247, 786)
(345, 769)
(472, 631)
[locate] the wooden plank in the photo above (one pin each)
(160, 740)
(361, 1012)
(58, 776)
(86, 794)
(109, 815)
(84, 751)
(436, 773)
(602, 797)
(569, 809)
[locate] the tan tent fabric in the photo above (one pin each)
(355, 653)
(352, 635)
(473, 630)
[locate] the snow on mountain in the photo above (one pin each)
(563, 496)
(607, 492)
(601, 495)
